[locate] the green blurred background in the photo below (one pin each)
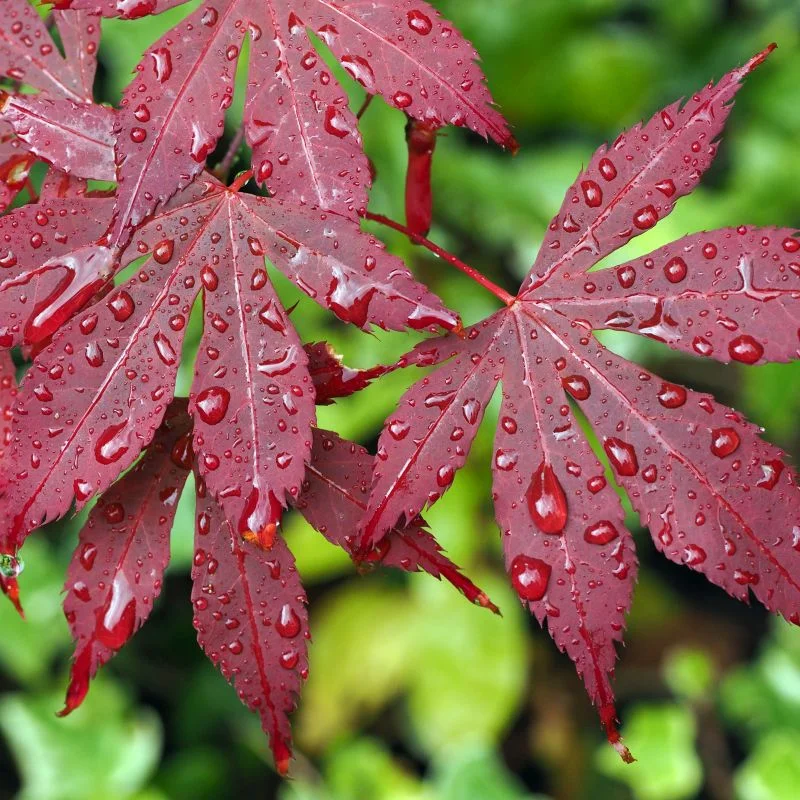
(414, 694)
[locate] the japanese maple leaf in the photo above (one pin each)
(29, 56)
(713, 494)
(304, 139)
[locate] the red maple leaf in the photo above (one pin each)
(714, 495)
(305, 142)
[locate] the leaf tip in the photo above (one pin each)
(608, 716)
(78, 682)
(282, 754)
(10, 588)
(761, 57)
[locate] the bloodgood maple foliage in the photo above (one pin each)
(98, 397)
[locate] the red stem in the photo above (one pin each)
(241, 180)
(476, 276)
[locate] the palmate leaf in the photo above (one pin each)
(29, 56)
(117, 361)
(305, 141)
(714, 495)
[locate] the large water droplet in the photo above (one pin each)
(288, 623)
(530, 577)
(724, 441)
(212, 404)
(601, 533)
(547, 502)
(112, 444)
(622, 456)
(746, 349)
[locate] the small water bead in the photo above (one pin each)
(114, 513)
(675, 270)
(506, 460)
(402, 99)
(592, 193)
(702, 346)
(419, 23)
(577, 386)
(121, 305)
(626, 277)
(745, 349)
(791, 245)
(471, 410)
(645, 218)
(112, 444)
(88, 555)
(744, 578)
(288, 623)
(289, 659)
(212, 404)
(772, 472)
(138, 135)
(94, 354)
(163, 251)
(667, 187)
(622, 456)
(398, 429)
(509, 425)
(670, 395)
(650, 473)
(547, 502)
(10, 566)
(694, 555)
(601, 533)
(596, 484)
(709, 250)
(445, 475)
(530, 577)
(724, 442)
(607, 169)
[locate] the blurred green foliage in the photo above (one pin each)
(414, 694)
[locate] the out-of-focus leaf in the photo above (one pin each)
(477, 773)
(27, 646)
(103, 751)
(661, 738)
(365, 769)
(772, 772)
(469, 670)
(363, 636)
(689, 673)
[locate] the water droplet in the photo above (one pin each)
(601, 533)
(670, 395)
(709, 250)
(87, 556)
(622, 456)
(746, 349)
(164, 349)
(212, 404)
(94, 354)
(596, 484)
(471, 410)
(398, 429)
(607, 169)
(162, 63)
(419, 23)
(114, 513)
(209, 278)
(530, 577)
(724, 441)
(335, 124)
(626, 277)
(112, 444)
(506, 460)
(402, 99)
(182, 454)
(121, 305)
(288, 624)
(360, 70)
(163, 251)
(645, 217)
(10, 566)
(547, 502)
(675, 269)
(693, 555)
(592, 193)
(138, 135)
(577, 386)
(445, 475)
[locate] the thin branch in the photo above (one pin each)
(476, 276)
(222, 170)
